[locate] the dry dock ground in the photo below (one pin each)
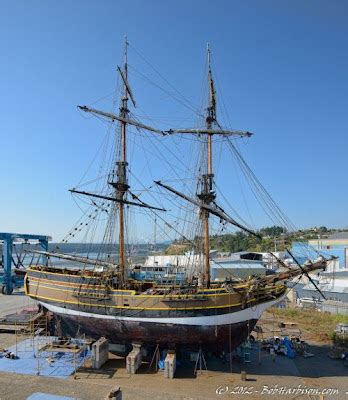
(316, 373)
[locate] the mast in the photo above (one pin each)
(207, 194)
(120, 184)
(121, 166)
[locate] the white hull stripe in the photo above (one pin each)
(211, 320)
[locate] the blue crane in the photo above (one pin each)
(7, 240)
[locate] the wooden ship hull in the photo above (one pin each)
(212, 318)
(168, 335)
(199, 313)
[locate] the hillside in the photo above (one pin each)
(273, 237)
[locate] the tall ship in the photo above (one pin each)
(101, 296)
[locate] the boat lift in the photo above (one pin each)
(8, 240)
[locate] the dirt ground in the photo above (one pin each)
(318, 372)
(267, 376)
(314, 325)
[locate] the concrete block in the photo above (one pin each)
(100, 353)
(134, 359)
(170, 365)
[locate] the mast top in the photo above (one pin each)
(211, 117)
(208, 55)
(126, 44)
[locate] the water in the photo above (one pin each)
(105, 252)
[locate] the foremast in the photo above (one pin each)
(207, 194)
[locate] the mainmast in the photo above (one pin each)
(121, 185)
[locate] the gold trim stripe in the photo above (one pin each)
(133, 308)
(138, 308)
(131, 293)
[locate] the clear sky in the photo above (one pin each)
(281, 67)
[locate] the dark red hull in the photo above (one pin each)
(191, 337)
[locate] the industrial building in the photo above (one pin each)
(241, 264)
(335, 244)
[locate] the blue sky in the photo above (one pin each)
(281, 67)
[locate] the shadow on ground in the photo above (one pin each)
(261, 363)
